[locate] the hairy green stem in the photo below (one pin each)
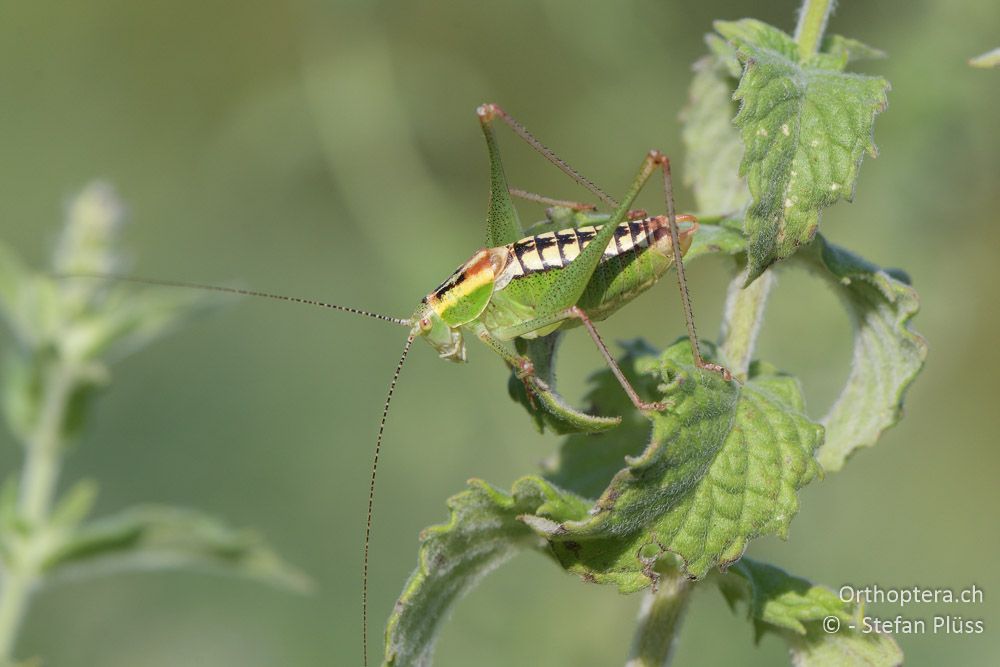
(743, 317)
(812, 23)
(659, 623)
(43, 452)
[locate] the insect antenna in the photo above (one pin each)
(385, 409)
(239, 291)
(371, 499)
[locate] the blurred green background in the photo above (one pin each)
(330, 150)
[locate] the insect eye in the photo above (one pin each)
(425, 324)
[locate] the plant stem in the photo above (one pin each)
(812, 23)
(744, 315)
(13, 604)
(659, 622)
(43, 452)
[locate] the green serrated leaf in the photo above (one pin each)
(759, 35)
(805, 128)
(795, 608)
(723, 467)
(482, 533)
(987, 60)
(585, 464)
(160, 538)
(887, 357)
(777, 599)
(725, 55)
(821, 649)
(845, 50)
(713, 145)
(712, 239)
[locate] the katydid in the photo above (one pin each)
(522, 287)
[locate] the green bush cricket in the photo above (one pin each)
(522, 288)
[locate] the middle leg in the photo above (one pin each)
(575, 312)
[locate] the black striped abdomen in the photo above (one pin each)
(555, 250)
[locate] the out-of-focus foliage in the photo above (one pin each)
(69, 324)
(330, 150)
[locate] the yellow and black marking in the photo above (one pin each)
(462, 297)
(465, 293)
(555, 250)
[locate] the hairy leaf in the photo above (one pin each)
(806, 126)
(723, 467)
(820, 649)
(844, 50)
(776, 599)
(724, 237)
(482, 533)
(160, 538)
(713, 146)
(585, 464)
(887, 357)
(795, 609)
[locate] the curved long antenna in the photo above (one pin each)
(241, 292)
(371, 500)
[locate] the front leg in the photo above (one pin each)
(524, 368)
(575, 312)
